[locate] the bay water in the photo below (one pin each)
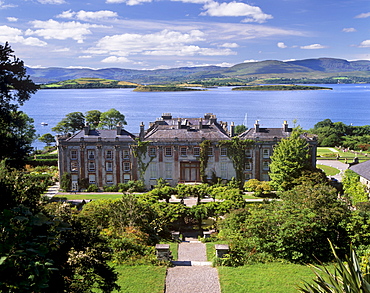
(349, 104)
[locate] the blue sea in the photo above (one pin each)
(349, 104)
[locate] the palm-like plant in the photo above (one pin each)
(347, 277)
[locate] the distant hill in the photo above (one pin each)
(321, 70)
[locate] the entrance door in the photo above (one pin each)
(190, 171)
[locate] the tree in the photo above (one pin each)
(111, 118)
(289, 159)
(47, 138)
(93, 118)
(16, 88)
(239, 129)
(71, 123)
(354, 190)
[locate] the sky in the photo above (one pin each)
(154, 34)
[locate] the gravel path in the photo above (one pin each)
(191, 278)
(194, 279)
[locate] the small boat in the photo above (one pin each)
(44, 123)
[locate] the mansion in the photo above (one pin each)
(172, 152)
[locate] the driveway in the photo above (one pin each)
(335, 164)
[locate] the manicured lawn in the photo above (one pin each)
(328, 153)
(329, 171)
(87, 195)
(260, 278)
(135, 279)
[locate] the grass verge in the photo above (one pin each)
(134, 279)
(260, 278)
(329, 171)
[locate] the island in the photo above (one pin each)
(288, 87)
(164, 88)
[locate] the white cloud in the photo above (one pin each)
(250, 61)
(281, 45)
(365, 44)
(88, 15)
(14, 35)
(4, 6)
(313, 47)
(62, 50)
(349, 30)
(85, 57)
(128, 2)
(12, 19)
(163, 43)
(253, 13)
(363, 15)
(52, 1)
(229, 45)
(52, 29)
(115, 59)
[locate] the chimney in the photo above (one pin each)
(285, 126)
(179, 123)
(86, 129)
(257, 126)
(119, 128)
(141, 135)
(232, 129)
(200, 123)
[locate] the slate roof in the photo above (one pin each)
(265, 134)
(105, 135)
(362, 169)
(186, 129)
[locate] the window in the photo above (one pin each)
(153, 170)
(126, 154)
(196, 151)
(74, 177)
(73, 154)
(109, 154)
(183, 152)
(223, 152)
(265, 177)
(168, 170)
(109, 178)
(152, 152)
(126, 178)
(248, 166)
(248, 177)
(248, 153)
(210, 152)
(74, 167)
(92, 179)
(265, 166)
(108, 166)
(168, 151)
(90, 155)
(91, 166)
(266, 153)
(126, 166)
(223, 166)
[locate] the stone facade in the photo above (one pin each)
(106, 157)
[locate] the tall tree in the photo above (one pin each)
(111, 118)
(93, 118)
(289, 159)
(71, 123)
(15, 88)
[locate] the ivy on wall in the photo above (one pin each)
(140, 150)
(236, 153)
(203, 158)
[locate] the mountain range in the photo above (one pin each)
(310, 69)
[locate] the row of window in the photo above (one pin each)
(91, 154)
(109, 178)
(168, 152)
(91, 166)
